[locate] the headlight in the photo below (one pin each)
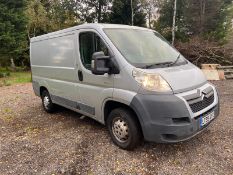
(152, 82)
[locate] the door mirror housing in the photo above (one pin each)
(100, 64)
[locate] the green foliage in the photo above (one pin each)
(12, 29)
(223, 29)
(164, 24)
(37, 19)
(121, 13)
(4, 74)
(48, 16)
(94, 10)
(63, 14)
(20, 77)
(205, 18)
(15, 77)
(202, 16)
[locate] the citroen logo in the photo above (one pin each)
(199, 92)
(202, 94)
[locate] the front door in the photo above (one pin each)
(93, 88)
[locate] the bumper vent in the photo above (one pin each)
(202, 104)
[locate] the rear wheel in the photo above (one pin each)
(124, 129)
(47, 102)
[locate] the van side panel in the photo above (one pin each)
(57, 51)
(53, 65)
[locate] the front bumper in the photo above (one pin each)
(168, 118)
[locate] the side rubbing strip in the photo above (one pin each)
(73, 104)
(86, 108)
(64, 101)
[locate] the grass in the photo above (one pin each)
(14, 78)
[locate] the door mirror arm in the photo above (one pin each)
(114, 68)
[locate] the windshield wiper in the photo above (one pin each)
(177, 59)
(168, 63)
(158, 64)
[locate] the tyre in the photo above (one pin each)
(124, 129)
(47, 102)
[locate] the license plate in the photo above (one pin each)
(206, 119)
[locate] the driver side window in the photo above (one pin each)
(90, 42)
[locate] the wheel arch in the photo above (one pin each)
(111, 104)
(42, 88)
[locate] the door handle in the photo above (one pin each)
(80, 75)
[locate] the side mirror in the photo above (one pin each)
(100, 63)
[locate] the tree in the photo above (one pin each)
(62, 14)
(94, 10)
(202, 16)
(37, 19)
(224, 28)
(121, 13)
(174, 22)
(206, 18)
(166, 20)
(13, 22)
(102, 9)
(50, 15)
(150, 7)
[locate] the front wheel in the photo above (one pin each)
(124, 129)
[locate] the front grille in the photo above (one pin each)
(202, 104)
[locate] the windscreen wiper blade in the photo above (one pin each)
(177, 59)
(158, 64)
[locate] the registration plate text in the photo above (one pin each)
(206, 119)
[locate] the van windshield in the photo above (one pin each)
(143, 47)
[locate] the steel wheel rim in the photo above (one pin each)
(46, 102)
(120, 129)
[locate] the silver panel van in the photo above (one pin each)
(128, 78)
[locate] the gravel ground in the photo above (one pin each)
(34, 142)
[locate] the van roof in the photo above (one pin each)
(86, 26)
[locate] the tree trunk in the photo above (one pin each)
(28, 32)
(12, 64)
(99, 11)
(132, 21)
(202, 14)
(34, 32)
(174, 22)
(149, 18)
